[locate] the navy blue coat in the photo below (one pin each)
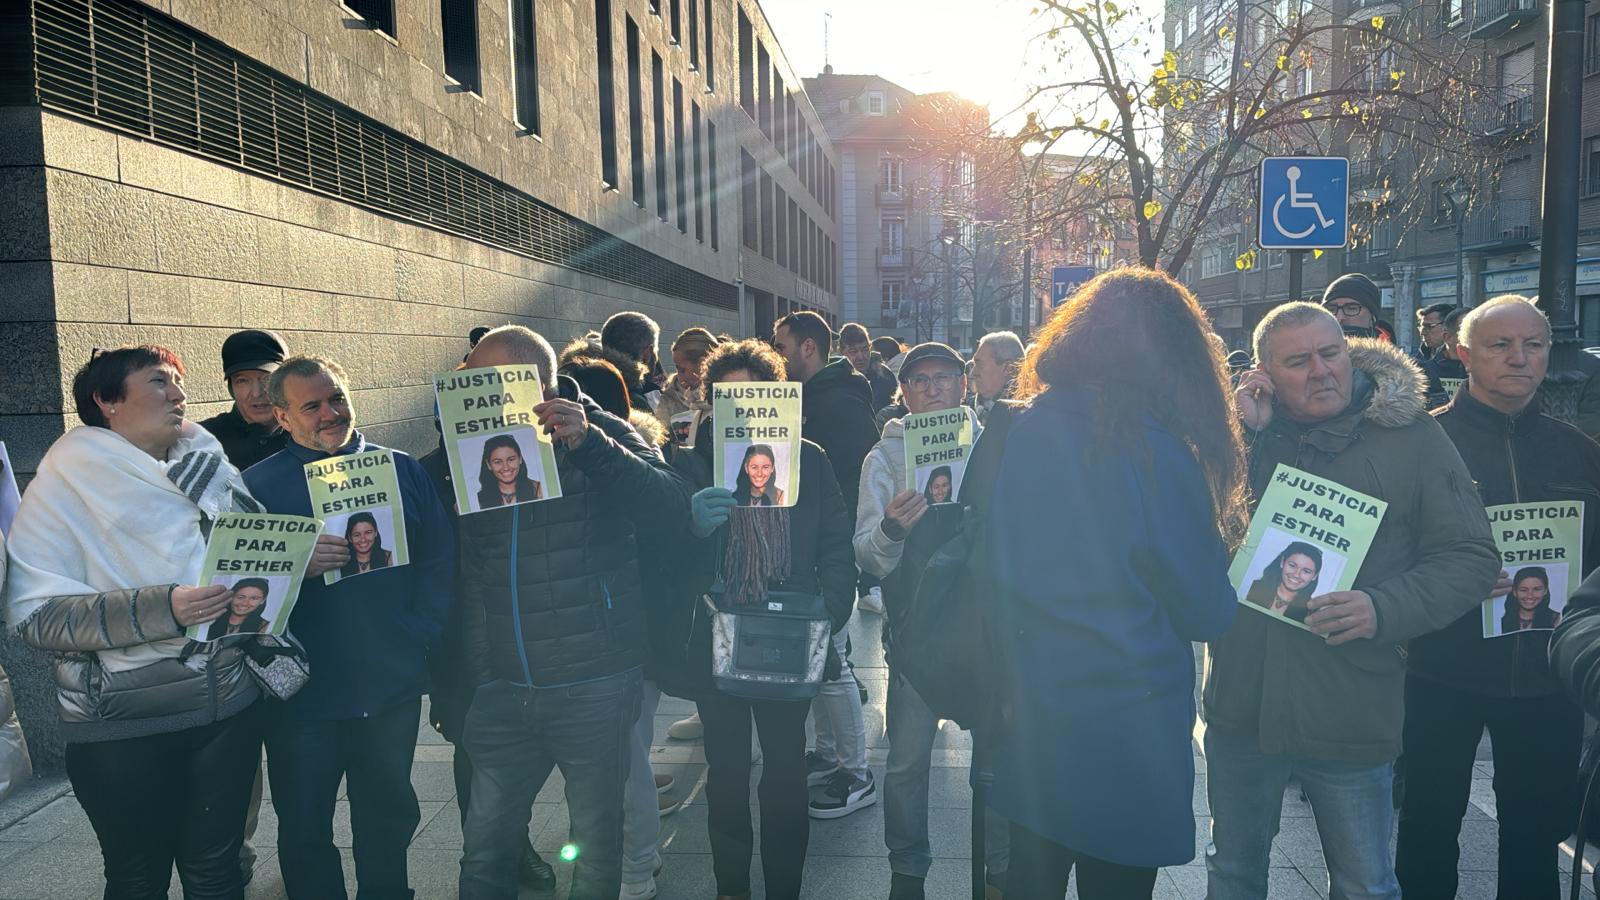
(367, 638)
(1108, 565)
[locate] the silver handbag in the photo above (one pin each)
(278, 664)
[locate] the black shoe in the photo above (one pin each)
(535, 873)
(863, 689)
(905, 887)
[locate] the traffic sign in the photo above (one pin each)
(1066, 279)
(1305, 203)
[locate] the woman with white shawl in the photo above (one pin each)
(104, 554)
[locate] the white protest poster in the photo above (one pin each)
(937, 446)
(1541, 546)
(1308, 537)
(357, 497)
(756, 441)
(498, 454)
(10, 498)
(261, 558)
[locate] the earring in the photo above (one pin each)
(112, 411)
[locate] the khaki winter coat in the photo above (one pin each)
(1433, 560)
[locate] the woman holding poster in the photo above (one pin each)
(1094, 766)
(366, 546)
(1528, 604)
(804, 548)
(758, 478)
(1289, 582)
(245, 610)
(939, 486)
(503, 476)
(113, 603)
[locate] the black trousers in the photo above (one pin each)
(1040, 869)
(305, 761)
(170, 798)
(1536, 744)
(785, 823)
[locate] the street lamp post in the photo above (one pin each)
(1459, 196)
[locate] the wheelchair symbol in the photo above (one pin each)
(1298, 199)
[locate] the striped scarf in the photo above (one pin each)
(210, 484)
(757, 554)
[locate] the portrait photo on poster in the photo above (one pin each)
(507, 469)
(1285, 573)
(756, 473)
(1538, 598)
(371, 536)
(940, 483)
(254, 607)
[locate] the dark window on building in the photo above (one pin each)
(780, 205)
(699, 175)
(827, 187)
(1591, 46)
(680, 156)
(608, 92)
(711, 51)
(712, 178)
(525, 64)
(635, 114)
(778, 127)
(655, 7)
(747, 69)
(675, 20)
(766, 215)
(795, 121)
(1591, 166)
(658, 87)
(764, 98)
(378, 13)
(459, 21)
(694, 33)
(749, 206)
(794, 235)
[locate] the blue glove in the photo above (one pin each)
(709, 509)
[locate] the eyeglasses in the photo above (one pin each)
(1434, 327)
(1347, 309)
(940, 380)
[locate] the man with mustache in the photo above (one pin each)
(367, 640)
(1325, 705)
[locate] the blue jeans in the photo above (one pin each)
(912, 730)
(1353, 804)
(516, 735)
(305, 760)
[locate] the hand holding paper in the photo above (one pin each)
(198, 605)
(1253, 397)
(903, 513)
(564, 421)
(331, 552)
(1502, 587)
(710, 509)
(1343, 616)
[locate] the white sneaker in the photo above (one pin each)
(872, 601)
(663, 782)
(644, 890)
(688, 729)
(843, 795)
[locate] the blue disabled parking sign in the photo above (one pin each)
(1305, 202)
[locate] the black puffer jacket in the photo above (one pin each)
(1513, 459)
(551, 589)
(837, 412)
(1575, 648)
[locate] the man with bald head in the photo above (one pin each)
(1458, 683)
(555, 632)
(1324, 704)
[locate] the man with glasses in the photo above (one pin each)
(1358, 305)
(836, 410)
(1430, 327)
(932, 378)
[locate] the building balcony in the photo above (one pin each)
(1493, 18)
(891, 195)
(1509, 111)
(891, 259)
(1500, 224)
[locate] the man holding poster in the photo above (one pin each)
(1488, 669)
(555, 624)
(367, 639)
(1325, 703)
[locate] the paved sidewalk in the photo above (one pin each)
(52, 853)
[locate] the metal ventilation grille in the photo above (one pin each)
(122, 65)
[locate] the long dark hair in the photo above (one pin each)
(1140, 343)
(254, 623)
(1274, 571)
(380, 556)
(1543, 615)
(489, 486)
(927, 489)
(741, 491)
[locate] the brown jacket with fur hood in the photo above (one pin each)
(1433, 560)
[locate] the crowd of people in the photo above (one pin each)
(1101, 525)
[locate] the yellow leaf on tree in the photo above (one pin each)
(1316, 254)
(1105, 124)
(1305, 113)
(1283, 63)
(1152, 209)
(1377, 22)
(1169, 61)
(1260, 112)
(1224, 32)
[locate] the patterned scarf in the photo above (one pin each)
(210, 484)
(757, 553)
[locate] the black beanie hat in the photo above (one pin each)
(252, 349)
(1357, 287)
